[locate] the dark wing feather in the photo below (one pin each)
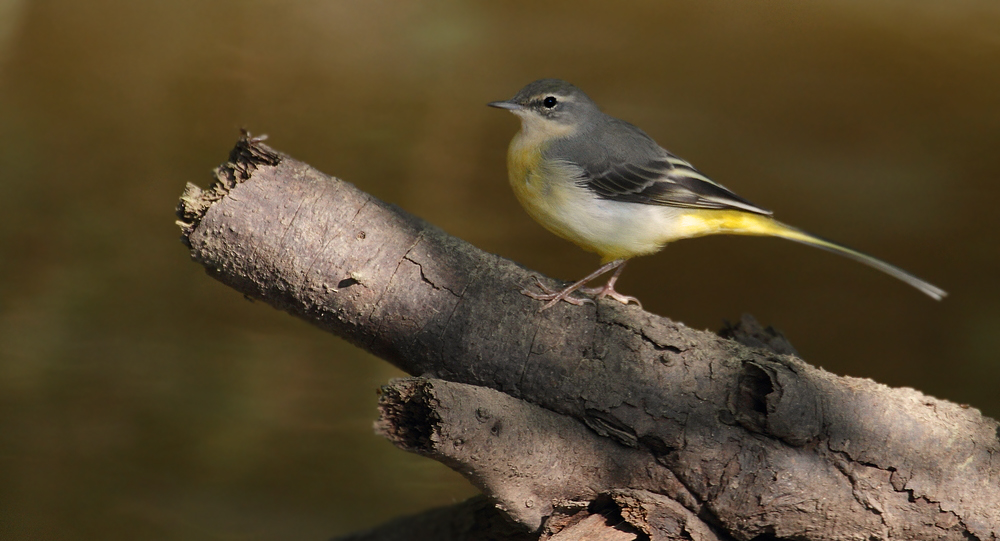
(665, 180)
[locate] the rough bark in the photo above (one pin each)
(595, 403)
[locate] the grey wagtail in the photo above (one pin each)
(606, 186)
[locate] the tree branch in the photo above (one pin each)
(750, 441)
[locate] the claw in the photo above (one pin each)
(624, 299)
(542, 286)
(552, 297)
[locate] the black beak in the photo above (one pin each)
(508, 105)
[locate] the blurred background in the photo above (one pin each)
(140, 399)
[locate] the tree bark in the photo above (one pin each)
(581, 412)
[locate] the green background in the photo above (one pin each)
(140, 399)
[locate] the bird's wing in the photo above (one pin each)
(664, 180)
(633, 168)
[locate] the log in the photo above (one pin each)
(601, 410)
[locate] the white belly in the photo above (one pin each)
(614, 230)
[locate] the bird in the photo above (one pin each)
(608, 187)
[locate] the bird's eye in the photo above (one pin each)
(549, 102)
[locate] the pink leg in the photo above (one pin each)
(553, 297)
(608, 290)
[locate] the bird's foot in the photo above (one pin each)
(608, 290)
(553, 296)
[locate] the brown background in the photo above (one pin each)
(141, 399)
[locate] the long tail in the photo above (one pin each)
(742, 223)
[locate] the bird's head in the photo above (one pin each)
(551, 106)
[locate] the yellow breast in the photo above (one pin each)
(551, 196)
(533, 184)
(530, 178)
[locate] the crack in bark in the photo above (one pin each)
(846, 466)
(388, 285)
(375, 305)
(527, 359)
(428, 280)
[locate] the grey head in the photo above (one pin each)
(553, 101)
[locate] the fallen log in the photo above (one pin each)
(600, 416)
